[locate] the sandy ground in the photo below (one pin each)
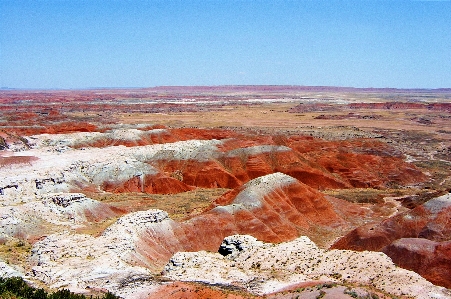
(276, 115)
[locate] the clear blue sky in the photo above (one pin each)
(125, 43)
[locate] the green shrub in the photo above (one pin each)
(17, 288)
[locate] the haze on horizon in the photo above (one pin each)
(122, 43)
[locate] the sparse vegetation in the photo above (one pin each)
(17, 288)
(419, 136)
(321, 294)
(15, 251)
(351, 293)
(360, 195)
(179, 206)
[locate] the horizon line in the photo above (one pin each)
(281, 86)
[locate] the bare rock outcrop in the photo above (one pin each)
(10, 271)
(429, 221)
(263, 268)
(82, 262)
(430, 259)
(418, 239)
(232, 246)
(229, 159)
(31, 220)
(355, 162)
(116, 169)
(274, 197)
(272, 208)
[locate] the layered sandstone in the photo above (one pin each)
(272, 208)
(430, 259)
(273, 196)
(429, 221)
(417, 239)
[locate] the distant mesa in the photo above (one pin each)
(322, 107)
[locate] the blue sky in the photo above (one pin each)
(125, 43)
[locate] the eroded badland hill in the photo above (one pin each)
(228, 192)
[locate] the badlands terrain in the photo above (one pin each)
(228, 191)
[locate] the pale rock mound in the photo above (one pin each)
(272, 208)
(81, 262)
(257, 150)
(61, 209)
(25, 188)
(263, 268)
(9, 271)
(269, 207)
(75, 207)
(63, 171)
(115, 136)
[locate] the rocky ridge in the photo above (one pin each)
(263, 268)
(179, 166)
(83, 263)
(418, 239)
(274, 196)
(147, 239)
(32, 219)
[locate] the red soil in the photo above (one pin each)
(205, 174)
(430, 259)
(359, 163)
(318, 163)
(417, 223)
(282, 212)
(315, 163)
(59, 128)
(153, 184)
(160, 137)
(184, 290)
(103, 212)
(419, 240)
(14, 160)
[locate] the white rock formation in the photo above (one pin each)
(9, 271)
(58, 209)
(264, 268)
(256, 150)
(258, 188)
(438, 204)
(81, 262)
(62, 142)
(25, 188)
(58, 171)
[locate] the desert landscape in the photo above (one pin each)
(228, 191)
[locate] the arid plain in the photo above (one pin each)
(228, 191)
